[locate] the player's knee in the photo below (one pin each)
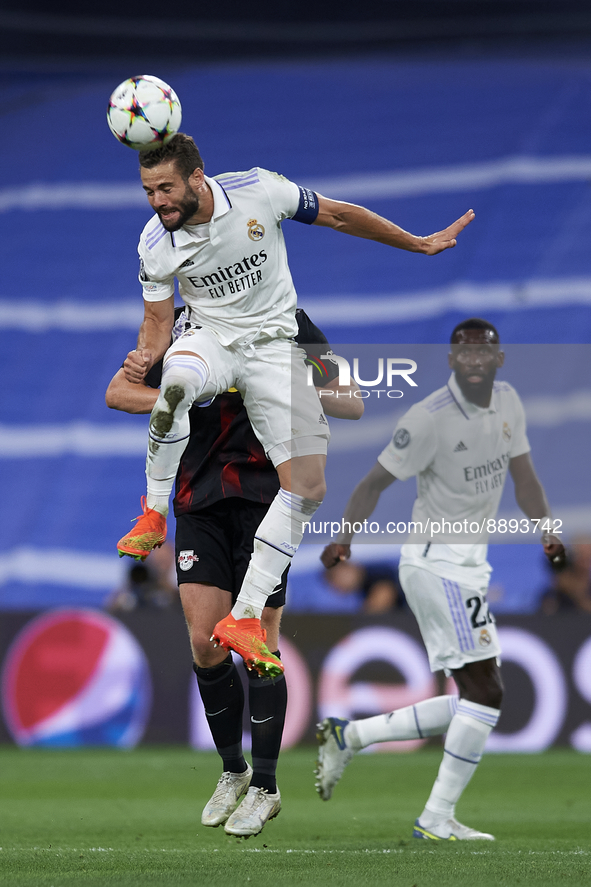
(177, 396)
(173, 402)
(304, 476)
(311, 486)
(481, 682)
(491, 692)
(495, 692)
(205, 654)
(313, 489)
(183, 379)
(316, 491)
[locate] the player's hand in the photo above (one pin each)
(436, 243)
(554, 551)
(136, 365)
(334, 553)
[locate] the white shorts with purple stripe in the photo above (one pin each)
(283, 407)
(454, 619)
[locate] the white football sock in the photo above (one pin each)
(276, 541)
(464, 745)
(183, 379)
(431, 717)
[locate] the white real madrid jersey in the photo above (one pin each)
(232, 272)
(460, 455)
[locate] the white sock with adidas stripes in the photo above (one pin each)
(276, 541)
(431, 717)
(464, 744)
(183, 379)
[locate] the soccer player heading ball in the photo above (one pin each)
(224, 486)
(221, 239)
(444, 441)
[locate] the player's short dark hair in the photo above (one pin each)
(181, 149)
(474, 323)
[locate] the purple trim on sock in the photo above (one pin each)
(276, 547)
(459, 758)
(414, 711)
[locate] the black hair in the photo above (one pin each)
(474, 323)
(181, 149)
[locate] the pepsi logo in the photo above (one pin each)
(74, 678)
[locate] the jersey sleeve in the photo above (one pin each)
(155, 288)
(413, 445)
(519, 442)
(289, 201)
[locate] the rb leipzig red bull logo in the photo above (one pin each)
(73, 678)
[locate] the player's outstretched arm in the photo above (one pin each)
(339, 401)
(361, 222)
(531, 498)
(360, 506)
(129, 396)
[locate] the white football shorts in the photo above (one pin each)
(284, 410)
(454, 619)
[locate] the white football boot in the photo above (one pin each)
(333, 755)
(450, 830)
(229, 790)
(257, 808)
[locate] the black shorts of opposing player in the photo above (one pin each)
(214, 545)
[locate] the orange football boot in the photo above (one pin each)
(247, 637)
(148, 533)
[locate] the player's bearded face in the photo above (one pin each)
(178, 213)
(475, 358)
(475, 366)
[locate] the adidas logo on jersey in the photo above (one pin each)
(461, 447)
(186, 264)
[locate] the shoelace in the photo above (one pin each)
(143, 503)
(225, 780)
(254, 798)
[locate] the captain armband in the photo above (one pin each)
(308, 206)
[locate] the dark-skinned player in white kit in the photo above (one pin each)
(460, 442)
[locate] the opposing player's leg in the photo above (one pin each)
(220, 688)
(267, 698)
(208, 545)
(267, 702)
(276, 411)
(195, 368)
(215, 545)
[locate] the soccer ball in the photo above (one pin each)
(144, 112)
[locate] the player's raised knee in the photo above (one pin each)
(205, 654)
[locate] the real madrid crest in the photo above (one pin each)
(485, 639)
(506, 432)
(255, 231)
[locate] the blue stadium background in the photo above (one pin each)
(419, 141)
